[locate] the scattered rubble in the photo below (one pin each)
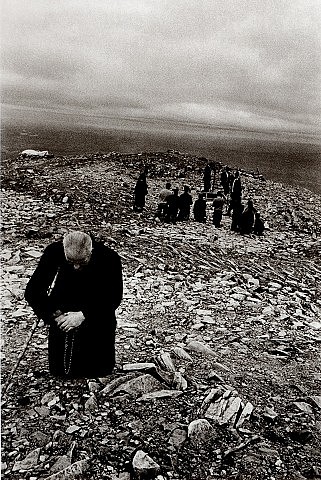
(218, 341)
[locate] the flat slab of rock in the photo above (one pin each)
(124, 324)
(220, 366)
(231, 411)
(226, 407)
(91, 404)
(139, 385)
(61, 463)
(111, 386)
(182, 354)
(245, 415)
(179, 382)
(178, 437)
(316, 399)
(304, 407)
(139, 367)
(76, 470)
(196, 346)
(160, 394)
(34, 253)
(165, 361)
(29, 462)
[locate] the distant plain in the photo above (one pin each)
(288, 161)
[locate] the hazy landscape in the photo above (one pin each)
(218, 359)
(290, 160)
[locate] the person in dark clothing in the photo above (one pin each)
(140, 193)
(247, 218)
(185, 202)
(225, 180)
(236, 192)
(218, 204)
(231, 178)
(236, 216)
(213, 168)
(258, 227)
(76, 289)
(172, 207)
(200, 209)
(207, 178)
(162, 206)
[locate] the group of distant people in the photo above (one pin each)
(77, 285)
(173, 207)
(245, 219)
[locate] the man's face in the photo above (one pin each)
(78, 260)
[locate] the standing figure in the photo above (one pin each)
(213, 168)
(140, 193)
(236, 192)
(162, 205)
(225, 180)
(218, 204)
(247, 218)
(207, 178)
(185, 202)
(199, 209)
(76, 289)
(236, 216)
(172, 207)
(231, 178)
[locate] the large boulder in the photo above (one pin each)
(144, 466)
(34, 153)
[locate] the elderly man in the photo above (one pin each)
(162, 205)
(75, 289)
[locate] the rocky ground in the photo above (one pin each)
(218, 342)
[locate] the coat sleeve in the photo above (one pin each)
(36, 293)
(116, 286)
(107, 291)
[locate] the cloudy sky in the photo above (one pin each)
(251, 64)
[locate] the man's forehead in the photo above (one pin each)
(77, 253)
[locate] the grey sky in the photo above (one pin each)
(244, 63)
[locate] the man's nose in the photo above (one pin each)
(77, 266)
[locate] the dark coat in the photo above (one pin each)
(236, 189)
(247, 220)
(172, 208)
(258, 227)
(200, 210)
(218, 204)
(96, 290)
(225, 182)
(184, 202)
(207, 178)
(236, 216)
(141, 190)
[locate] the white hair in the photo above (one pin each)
(78, 243)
